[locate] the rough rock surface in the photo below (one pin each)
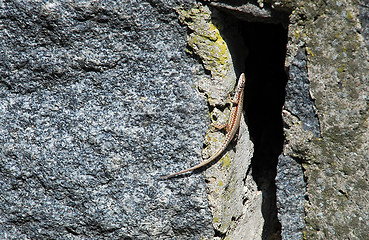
(364, 19)
(97, 100)
(291, 186)
(290, 197)
(335, 161)
(234, 199)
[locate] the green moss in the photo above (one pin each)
(304, 235)
(226, 160)
(205, 40)
(309, 51)
(349, 15)
(342, 69)
(226, 196)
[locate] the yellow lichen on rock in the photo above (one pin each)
(206, 41)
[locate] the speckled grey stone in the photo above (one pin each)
(298, 100)
(364, 18)
(291, 186)
(97, 100)
(290, 197)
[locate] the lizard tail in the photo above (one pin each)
(192, 168)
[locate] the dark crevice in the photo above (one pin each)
(219, 234)
(264, 98)
(259, 49)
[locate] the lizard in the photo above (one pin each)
(231, 127)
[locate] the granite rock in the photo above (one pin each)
(97, 100)
(100, 98)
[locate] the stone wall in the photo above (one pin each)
(100, 98)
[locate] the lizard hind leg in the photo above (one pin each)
(225, 125)
(216, 126)
(219, 126)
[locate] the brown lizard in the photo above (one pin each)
(231, 126)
